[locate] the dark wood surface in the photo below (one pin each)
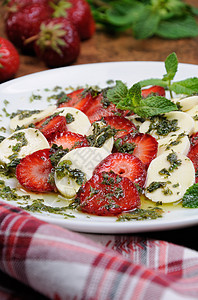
(102, 48)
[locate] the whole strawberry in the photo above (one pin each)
(58, 42)
(15, 5)
(80, 14)
(25, 23)
(9, 60)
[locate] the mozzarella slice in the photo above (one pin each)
(108, 144)
(22, 143)
(30, 117)
(193, 112)
(84, 159)
(80, 124)
(178, 143)
(188, 102)
(173, 186)
(136, 120)
(185, 124)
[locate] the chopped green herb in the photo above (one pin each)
(64, 169)
(24, 113)
(100, 135)
(155, 185)
(141, 214)
(69, 118)
(162, 125)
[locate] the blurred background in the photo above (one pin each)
(114, 40)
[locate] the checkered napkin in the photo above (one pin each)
(61, 264)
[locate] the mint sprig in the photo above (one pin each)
(190, 198)
(188, 86)
(131, 99)
(170, 19)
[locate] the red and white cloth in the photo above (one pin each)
(64, 265)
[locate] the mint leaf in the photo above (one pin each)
(153, 106)
(118, 93)
(132, 100)
(123, 98)
(147, 24)
(123, 13)
(153, 81)
(135, 94)
(188, 86)
(190, 198)
(177, 28)
(171, 65)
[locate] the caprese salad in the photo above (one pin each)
(103, 150)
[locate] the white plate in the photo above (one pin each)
(18, 93)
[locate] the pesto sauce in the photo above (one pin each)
(141, 214)
(23, 114)
(22, 141)
(64, 169)
(100, 135)
(38, 205)
(162, 125)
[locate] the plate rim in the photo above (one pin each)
(117, 227)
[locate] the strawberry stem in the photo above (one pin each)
(51, 36)
(60, 9)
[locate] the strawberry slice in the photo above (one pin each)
(125, 165)
(79, 99)
(155, 90)
(143, 146)
(100, 108)
(52, 126)
(194, 139)
(107, 194)
(193, 155)
(71, 140)
(123, 125)
(33, 171)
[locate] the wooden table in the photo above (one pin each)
(103, 48)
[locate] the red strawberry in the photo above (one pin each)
(52, 126)
(78, 99)
(70, 140)
(33, 171)
(25, 23)
(124, 164)
(123, 125)
(143, 146)
(100, 108)
(9, 60)
(154, 90)
(58, 42)
(15, 5)
(193, 155)
(107, 194)
(194, 139)
(79, 12)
